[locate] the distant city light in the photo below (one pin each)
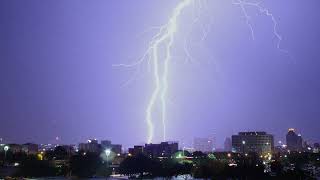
(291, 129)
(233, 165)
(40, 156)
(6, 148)
(16, 164)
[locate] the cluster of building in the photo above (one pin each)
(28, 148)
(237, 146)
(258, 142)
(243, 142)
(263, 143)
(164, 149)
(93, 146)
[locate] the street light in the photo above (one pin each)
(243, 148)
(5, 148)
(107, 152)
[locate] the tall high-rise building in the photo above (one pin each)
(258, 142)
(294, 141)
(228, 144)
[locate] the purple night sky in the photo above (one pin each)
(57, 78)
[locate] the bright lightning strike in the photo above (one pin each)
(164, 38)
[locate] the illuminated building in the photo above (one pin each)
(294, 141)
(47, 147)
(164, 149)
(203, 144)
(91, 146)
(257, 142)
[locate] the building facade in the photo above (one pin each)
(257, 142)
(136, 150)
(115, 148)
(164, 149)
(294, 141)
(91, 146)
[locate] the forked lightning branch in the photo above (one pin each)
(159, 53)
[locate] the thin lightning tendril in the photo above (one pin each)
(264, 11)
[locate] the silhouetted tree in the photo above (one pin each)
(60, 153)
(208, 169)
(85, 165)
(36, 168)
(139, 164)
(276, 167)
(199, 154)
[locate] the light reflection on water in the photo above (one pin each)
(61, 178)
(58, 178)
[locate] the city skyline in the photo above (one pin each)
(202, 144)
(58, 81)
(243, 142)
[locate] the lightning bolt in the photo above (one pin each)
(165, 37)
